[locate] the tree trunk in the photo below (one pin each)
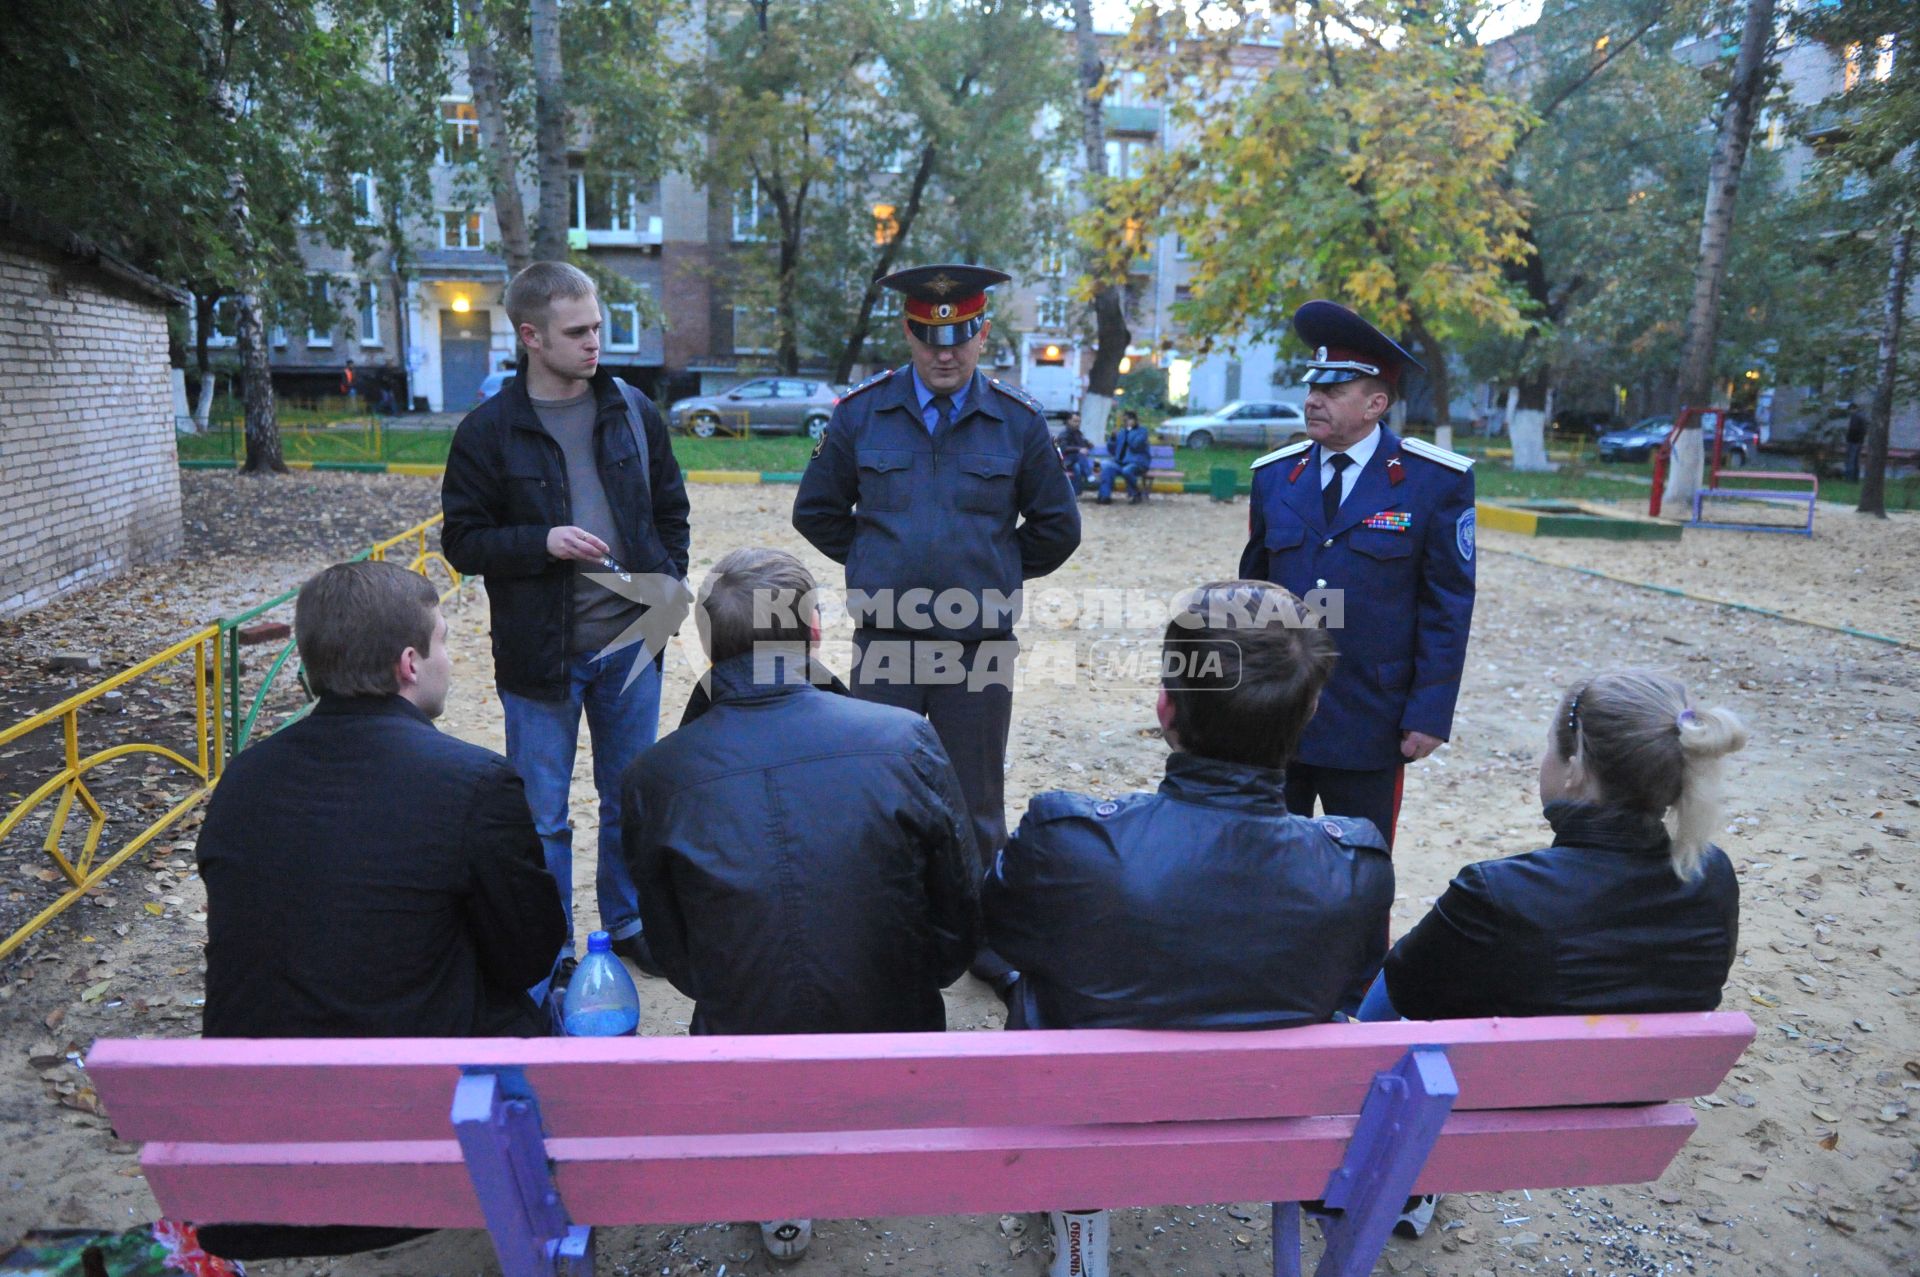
(550, 134)
(863, 318)
(1693, 385)
(498, 157)
(1873, 480)
(1110, 330)
(787, 305)
(203, 304)
(1437, 377)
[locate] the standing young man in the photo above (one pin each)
(940, 491)
(554, 486)
(1386, 526)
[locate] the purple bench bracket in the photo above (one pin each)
(497, 1120)
(1399, 1124)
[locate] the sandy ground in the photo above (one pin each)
(1806, 1162)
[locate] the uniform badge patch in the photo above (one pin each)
(1389, 520)
(1106, 808)
(1463, 534)
(1330, 829)
(820, 442)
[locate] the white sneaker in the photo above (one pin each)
(786, 1239)
(1414, 1219)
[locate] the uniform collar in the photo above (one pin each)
(925, 395)
(1361, 452)
(1196, 779)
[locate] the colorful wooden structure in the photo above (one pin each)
(540, 1140)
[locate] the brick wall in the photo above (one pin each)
(89, 479)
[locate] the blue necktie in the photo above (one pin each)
(1330, 495)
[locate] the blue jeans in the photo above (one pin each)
(541, 739)
(1080, 473)
(1110, 469)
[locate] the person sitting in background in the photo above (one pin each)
(368, 876)
(1128, 455)
(1076, 454)
(1631, 910)
(804, 859)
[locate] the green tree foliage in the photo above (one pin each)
(1363, 161)
(858, 138)
(202, 140)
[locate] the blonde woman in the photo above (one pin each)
(1632, 909)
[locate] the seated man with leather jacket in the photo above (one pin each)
(1206, 904)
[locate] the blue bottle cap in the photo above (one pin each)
(599, 942)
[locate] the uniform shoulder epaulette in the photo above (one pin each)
(869, 383)
(1433, 452)
(1279, 454)
(1015, 393)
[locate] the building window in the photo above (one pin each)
(603, 202)
(886, 224)
(319, 311)
(753, 329)
(460, 229)
(623, 326)
(1050, 311)
(887, 305)
(365, 211)
(459, 131)
(1883, 58)
(369, 313)
(750, 211)
(226, 322)
(1127, 157)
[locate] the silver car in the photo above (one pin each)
(1248, 423)
(765, 405)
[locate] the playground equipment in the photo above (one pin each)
(1711, 421)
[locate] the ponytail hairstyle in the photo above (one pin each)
(1634, 735)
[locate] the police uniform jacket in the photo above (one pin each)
(1400, 550)
(803, 860)
(980, 505)
(1596, 924)
(1203, 906)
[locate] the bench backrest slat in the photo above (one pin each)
(400, 1089)
(695, 1179)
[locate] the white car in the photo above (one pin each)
(1249, 423)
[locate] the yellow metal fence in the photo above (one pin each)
(220, 727)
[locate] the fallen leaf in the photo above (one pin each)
(1831, 1142)
(1825, 1116)
(95, 992)
(85, 1100)
(54, 1017)
(155, 908)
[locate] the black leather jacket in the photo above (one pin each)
(1596, 923)
(506, 488)
(1203, 906)
(803, 861)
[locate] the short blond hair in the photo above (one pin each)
(531, 295)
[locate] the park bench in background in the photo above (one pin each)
(1163, 475)
(550, 1137)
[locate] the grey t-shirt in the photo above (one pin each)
(599, 614)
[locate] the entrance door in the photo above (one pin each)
(465, 341)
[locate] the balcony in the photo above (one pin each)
(1131, 119)
(645, 233)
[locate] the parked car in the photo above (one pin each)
(490, 386)
(1637, 442)
(765, 405)
(1251, 423)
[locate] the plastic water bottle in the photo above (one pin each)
(601, 1001)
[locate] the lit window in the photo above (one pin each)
(369, 313)
(1883, 57)
(319, 311)
(1851, 75)
(460, 229)
(886, 226)
(459, 131)
(623, 326)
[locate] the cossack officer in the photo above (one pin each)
(1377, 532)
(940, 490)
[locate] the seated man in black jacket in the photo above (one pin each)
(803, 858)
(366, 875)
(1206, 905)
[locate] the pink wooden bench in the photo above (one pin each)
(550, 1137)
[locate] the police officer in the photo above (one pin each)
(1377, 531)
(940, 491)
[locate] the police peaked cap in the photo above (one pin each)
(1346, 346)
(946, 305)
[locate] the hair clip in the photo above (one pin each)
(1685, 718)
(1573, 715)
